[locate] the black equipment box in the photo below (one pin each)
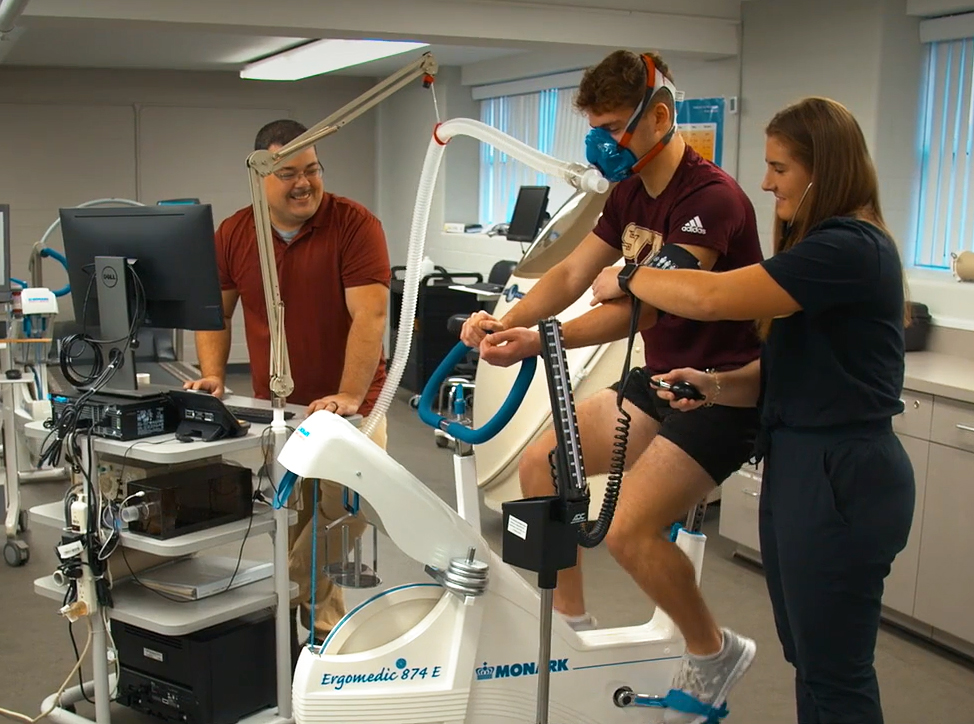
(122, 418)
(191, 499)
(215, 676)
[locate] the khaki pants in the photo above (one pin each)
(330, 605)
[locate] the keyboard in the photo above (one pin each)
(258, 415)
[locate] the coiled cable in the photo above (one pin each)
(593, 533)
(74, 345)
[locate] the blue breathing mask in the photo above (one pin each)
(604, 152)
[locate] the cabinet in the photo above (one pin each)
(945, 585)
(739, 501)
(930, 587)
(901, 584)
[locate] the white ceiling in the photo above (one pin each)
(48, 42)
(224, 35)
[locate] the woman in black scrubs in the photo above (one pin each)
(838, 490)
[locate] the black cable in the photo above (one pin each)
(265, 450)
(71, 416)
(121, 473)
(593, 533)
(77, 658)
(66, 358)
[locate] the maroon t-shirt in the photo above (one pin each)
(701, 206)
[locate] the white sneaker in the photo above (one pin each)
(701, 684)
(585, 622)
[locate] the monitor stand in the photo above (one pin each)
(116, 296)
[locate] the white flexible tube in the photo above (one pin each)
(84, 205)
(410, 296)
(57, 222)
(582, 177)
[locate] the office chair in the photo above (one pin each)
(500, 273)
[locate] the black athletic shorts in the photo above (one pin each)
(719, 438)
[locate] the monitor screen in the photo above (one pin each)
(529, 211)
(174, 257)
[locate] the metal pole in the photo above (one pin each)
(10, 449)
(99, 663)
(544, 655)
(282, 587)
(47, 475)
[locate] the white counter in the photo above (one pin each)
(940, 374)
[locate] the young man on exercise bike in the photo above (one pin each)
(675, 208)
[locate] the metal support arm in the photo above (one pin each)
(262, 163)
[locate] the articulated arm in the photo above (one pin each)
(262, 163)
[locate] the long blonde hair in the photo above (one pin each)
(825, 138)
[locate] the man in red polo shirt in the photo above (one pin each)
(333, 266)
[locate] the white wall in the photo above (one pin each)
(897, 120)
(69, 136)
(867, 55)
(404, 131)
(792, 49)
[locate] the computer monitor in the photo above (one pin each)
(529, 211)
(171, 251)
(5, 291)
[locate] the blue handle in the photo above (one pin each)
(493, 426)
(57, 256)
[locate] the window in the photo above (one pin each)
(945, 214)
(545, 120)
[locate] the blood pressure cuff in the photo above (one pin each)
(672, 256)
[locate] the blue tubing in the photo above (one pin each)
(473, 436)
(58, 256)
(284, 489)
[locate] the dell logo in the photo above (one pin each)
(108, 277)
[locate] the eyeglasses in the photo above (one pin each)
(288, 175)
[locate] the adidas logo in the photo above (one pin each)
(694, 226)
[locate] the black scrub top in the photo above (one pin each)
(839, 360)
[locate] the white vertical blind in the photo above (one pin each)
(945, 214)
(545, 120)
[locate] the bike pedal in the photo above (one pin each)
(626, 697)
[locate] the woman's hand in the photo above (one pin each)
(704, 381)
(606, 285)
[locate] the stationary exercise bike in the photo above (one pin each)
(463, 647)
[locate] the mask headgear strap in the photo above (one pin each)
(655, 82)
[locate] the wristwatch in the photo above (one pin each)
(625, 275)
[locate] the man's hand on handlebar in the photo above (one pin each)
(478, 326)
(510, 346)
